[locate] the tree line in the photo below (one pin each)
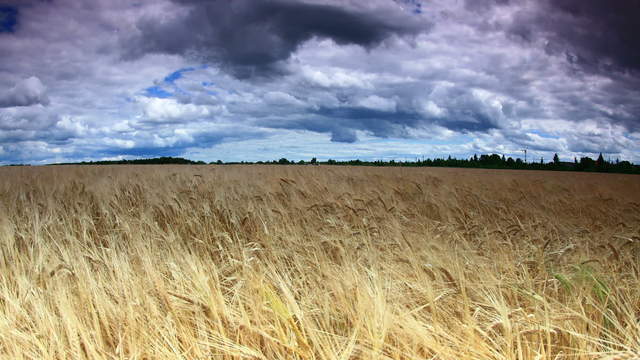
(165, 160)
(493, 161)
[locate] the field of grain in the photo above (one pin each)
(303, 262)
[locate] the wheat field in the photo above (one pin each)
(304, 262)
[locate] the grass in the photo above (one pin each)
(260, 262)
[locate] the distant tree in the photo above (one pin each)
(587, 164)
(491, 160)
(600, 162)
(331, 162)
(301, 162)
(314, 161)
(556, 159)
(283, 161)
(541, 160)
(624, 166)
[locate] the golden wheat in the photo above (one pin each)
(292, 262)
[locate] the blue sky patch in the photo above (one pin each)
(8, 19)
(157, 92)
(171, 78)
(543, 134)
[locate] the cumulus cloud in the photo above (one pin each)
(170, 110)
(29, 91)
(378, 103)
(336, 77)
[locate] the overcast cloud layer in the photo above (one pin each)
(263, 79)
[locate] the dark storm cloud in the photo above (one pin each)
(598, 36)
(251, 37)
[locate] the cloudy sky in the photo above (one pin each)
(344, 79)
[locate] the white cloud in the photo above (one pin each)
(375, 102)
(168, 110)
(282, 98)
(337, 77)
(431, 109)
(74, 125)
(125, 144)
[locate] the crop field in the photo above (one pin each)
(317, 262)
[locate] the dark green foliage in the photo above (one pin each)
(495, 161)
(155, 161)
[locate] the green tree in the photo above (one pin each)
(600, 162)
(586, 164)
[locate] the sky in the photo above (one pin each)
(252, 80)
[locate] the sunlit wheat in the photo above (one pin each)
(277, 262)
